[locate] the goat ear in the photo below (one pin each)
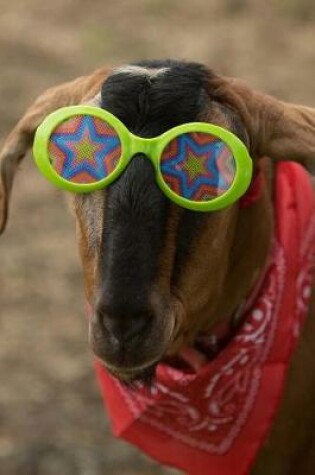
(277, 129)
(20, 139)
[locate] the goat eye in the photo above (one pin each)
(198, 166)
(84, 149)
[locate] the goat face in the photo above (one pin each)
(149, 264)
(154, 272)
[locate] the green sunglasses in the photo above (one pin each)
(199, 166)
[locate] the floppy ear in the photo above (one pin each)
(20, 139)
(277, 129)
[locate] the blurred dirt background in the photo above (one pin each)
(51, 417)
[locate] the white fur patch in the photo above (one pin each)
(140, 71)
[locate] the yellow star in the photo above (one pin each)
(85, 148)
(195, 165)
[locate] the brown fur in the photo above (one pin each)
(233, 244)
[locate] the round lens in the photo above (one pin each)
(198, 166)
(84, 149)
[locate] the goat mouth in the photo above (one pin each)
(140, 374)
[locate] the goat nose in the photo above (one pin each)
(126, 326)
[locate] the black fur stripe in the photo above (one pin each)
(136, 210)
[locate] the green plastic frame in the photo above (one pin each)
(152, 148)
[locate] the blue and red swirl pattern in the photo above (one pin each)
(84, 149)
(198, 166)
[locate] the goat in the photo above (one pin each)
(157, 275)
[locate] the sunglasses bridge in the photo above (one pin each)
(141, 145)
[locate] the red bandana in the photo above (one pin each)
(216, 419)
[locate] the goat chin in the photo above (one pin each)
(133, 376)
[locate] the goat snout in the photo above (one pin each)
(127, 337)
(127, 325)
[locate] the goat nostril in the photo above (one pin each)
(136, 327)
(125, 327)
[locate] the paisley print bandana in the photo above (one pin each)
(198, 166)
(84, 149)
(215, 419)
